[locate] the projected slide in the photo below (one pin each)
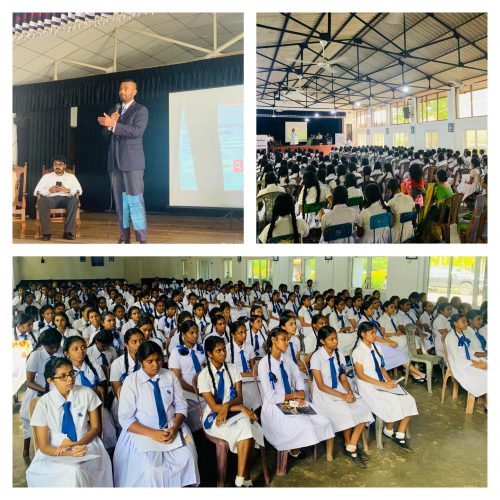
(300, 129)
(206, 148)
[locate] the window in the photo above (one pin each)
(369, 273)
(401, 139)
(462, 276)
(303, 270)
(432, 107)
(431, 140)
(361, 139)
(472, 100)
(228, 269)
(378, 117)
(397, 113)
(361, 119)
(202, 269)
(258, 270)
(378, 139)
(184, 267)
(476, 139)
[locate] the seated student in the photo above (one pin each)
(480, 205)
(133, 315)
(46, 320)
(47, 346)
(354, 313)
(475, 333)
(159, 312)
(186, 360)
(400, 203)
(101, 351)
(282, 381)
(218, 326)
(382, 395)
(257, 335)
(145, 324)
(469, 370)
(413, 185)
(169, 321)
(24, 329)
(174, 339)
(61, 322)
(271, 185)
(292, 304)
(351, 182)
(375, 205)
(67, 423)
(220, 385)
(346, 335)
(312, 192)
(108, 325)
(387, 173)
(425, 321)
(339, 214)
(152, 407)
(334, 398)
(305, 320)
(83, 322)
(94, 326)
(275, 309)
(441, 326)
(284, 221)
(471, 185)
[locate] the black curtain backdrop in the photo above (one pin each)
(276, 126)
(43, 123)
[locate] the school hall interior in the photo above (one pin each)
(390, 106)
(459, 284)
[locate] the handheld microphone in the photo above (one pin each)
(117, 107)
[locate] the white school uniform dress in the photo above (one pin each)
(97, 357)
(381, 234)
(257, 341)
(394, 356)
(339, 214)
(90, 332)
(401, 203)
(287, 432)
(310, 340)
(425, 319)
(126, 326)
(73, 316)
(234, 431)
(118, 373)
(35, 363)
(156, 322)
(49, 413)
(341, 415)
(387, 405)
(284, 226)
(251, 398)
(70, 332)
(186, 366)
(391, 323)
(354, 314)
(80, 324)
(477, 339)
(472, 379)
(41, 326)
(132, 468)
(274, 309)
(470, 189)
(346, 339)
(440, 323)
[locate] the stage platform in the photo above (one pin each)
(100, 227)
(325, 149)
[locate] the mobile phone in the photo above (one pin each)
(58, 183)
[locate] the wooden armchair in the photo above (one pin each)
(19, 196)
(449, 215)
(58, 215)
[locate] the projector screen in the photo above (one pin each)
(300, 129)
(206, 148)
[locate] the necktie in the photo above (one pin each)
(481, 339)
(104, 360)
(284, 376)
(333, 373)
(293, 352)
(341, 319)
(68, 425)
(256, 342)
(160, 408)
(84, 380)
(196, 362)
(411, 319)
(394, 325)
(220, 387)
(122, 111)
(377, 367)
(464, 342)
(202, 326)
(244, 361)
(77, 315)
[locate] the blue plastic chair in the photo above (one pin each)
(403, 219)
(337, 232)
(380, 221)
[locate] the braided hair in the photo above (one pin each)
(68, 343)
(283, 206)
(50, 336)
(269, 345)
(364, 327)
(233, 327)
(310, 180)
(373, 194)
(126, 338)
(210, 344)
(323, 333)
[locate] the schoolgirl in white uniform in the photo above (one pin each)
(257, 336)
(274, 310)
(354, 313)
(390, 325)
(218, 327)
(168, 322)
(46, 321)
(47, 347)
(101, 351)
(95, 325)
(186, 360)
(469, 370)
(134, 315)
(288, 324)
(24, 329)
(61, 322)
(199, 318)
(478, 338)
(67, 424)
(145, 324)
(282, 381)
(175, 334)
(382, 395)
(346, 335)
(225, 416)
(152, 407)
(305, 318)
(441, 326)
(334, 398)
(425, 321)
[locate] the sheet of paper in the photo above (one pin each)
(144, 443)
(399, 391)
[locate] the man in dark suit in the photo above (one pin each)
(124, 126)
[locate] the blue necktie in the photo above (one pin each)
(220, 387)
(84, 380)
(377, 367)
(341, 319)
(160, 408)
(256, 342)
(411, 319)
(104, 360)
(293, 352)
(464, 342)
(284, 376)
(196, 362)
(481, 339)
(68, 425)
(394, 325)
(333, 373)
(244, 361)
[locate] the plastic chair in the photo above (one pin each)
(354, 202)
(222, 447)
(268, 200)
(428, 359)
(314, 208)
(404, 218)
(380, 221)
(337, 232)
(284, 238)
(449, 214)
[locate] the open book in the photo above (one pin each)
(292, 408)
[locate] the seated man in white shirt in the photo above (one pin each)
(58, 189)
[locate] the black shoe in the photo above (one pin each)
(361, 453)
(420, 381)
(69, 236)
(356, 459)
(120, 241)
(143, 242)
(401, 443)
(46, 237)
(299, 456)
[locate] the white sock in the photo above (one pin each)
(239, 481)
(350, 448)
(400, 435)
(388, 432)
(247, 483)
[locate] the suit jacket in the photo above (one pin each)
(125, 143)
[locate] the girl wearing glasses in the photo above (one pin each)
(67, 423)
